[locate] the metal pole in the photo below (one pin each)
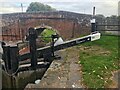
(52, 47)
(93, 11)
(53, 42)
(22, 7)
(93, 21)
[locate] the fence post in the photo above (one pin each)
(32, 42)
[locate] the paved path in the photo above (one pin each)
(115, 80)
(64, 73)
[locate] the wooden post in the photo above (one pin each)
(32, 42)
(6, 57)
(14, 52)
(10, 57)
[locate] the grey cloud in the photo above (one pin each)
(101, 7)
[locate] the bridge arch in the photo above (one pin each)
(46, 27)
(67, 27)
(68, 24)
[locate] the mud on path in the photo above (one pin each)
(64, 73)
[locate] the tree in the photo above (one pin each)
(100, 18)
(36, 7)
(112, 19)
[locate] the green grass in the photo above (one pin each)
(47, 33)
(98, 59)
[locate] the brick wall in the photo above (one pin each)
(16, 25)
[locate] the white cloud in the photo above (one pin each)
(42, 1)
(106, 7)
(9, 10)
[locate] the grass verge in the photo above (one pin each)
(47, 33)
(98, 60)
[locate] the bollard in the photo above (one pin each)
(10, 57)
(32, 42)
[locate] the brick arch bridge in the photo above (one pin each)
(69, 24)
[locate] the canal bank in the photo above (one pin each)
(63, 73)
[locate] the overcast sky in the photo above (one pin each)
(105, 7)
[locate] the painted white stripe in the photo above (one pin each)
(95, 36)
